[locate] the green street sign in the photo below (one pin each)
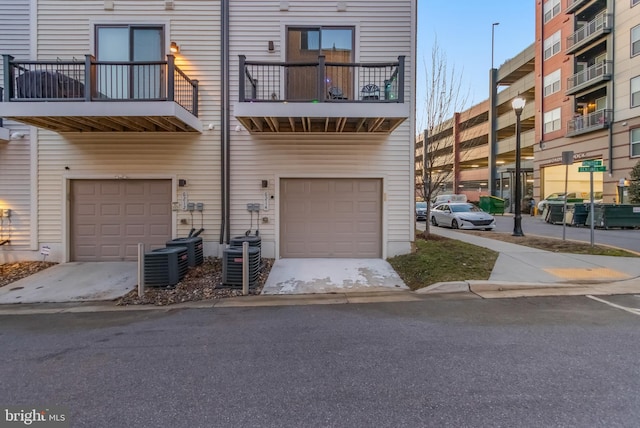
(594, 162)
(594, 168)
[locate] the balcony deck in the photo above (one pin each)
(321, 97)
(93, 96)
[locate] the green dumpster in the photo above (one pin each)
(554, 213)
(580, 213)
(612, 215)
(492, 204)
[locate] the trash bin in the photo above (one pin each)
(554, 213)
(580, 213)
(492, 204)
(612, 215)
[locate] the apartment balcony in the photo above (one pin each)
(99, 96)
(597, 73)
(321, 97)
(593, 30)
(591, 122)
(573, 5)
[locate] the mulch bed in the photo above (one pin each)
(11, 272)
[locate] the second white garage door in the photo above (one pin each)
(339, 218)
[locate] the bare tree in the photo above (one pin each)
(443, 100)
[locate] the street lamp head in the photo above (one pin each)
(495, 23)
(518, 104)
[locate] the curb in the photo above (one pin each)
(234, 302)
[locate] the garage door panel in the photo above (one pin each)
(344, 227)
(370, 228)
(159, 230)
(109, 188)
(135, 230)
(337, 215)
(110, 209)
(86, 209)
(319, 208)
(110, 217)
(344, 207)
(159, 209)
(111, 230)
(135, 209)
(317, 186)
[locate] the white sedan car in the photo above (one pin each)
(460, 215)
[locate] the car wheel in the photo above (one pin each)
(488, 229)
(454, 224)
(433, 221)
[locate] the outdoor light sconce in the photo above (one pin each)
(174, 48)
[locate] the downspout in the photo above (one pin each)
(612, 84)
(224, 131)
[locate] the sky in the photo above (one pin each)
(463, 32)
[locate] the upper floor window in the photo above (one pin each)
(635, 40)
(635, 142)
(305, 44)
(635, 91)
(552, 45)
(124, 44)
(634, 2)
(551, 8)
(552, 120)
(552, 83)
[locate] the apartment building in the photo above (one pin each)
(141, 121)
(586, 70)
(475, 150)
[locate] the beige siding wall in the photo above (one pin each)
(626, 67)
(15, 154)
(65, 31)
(383, 30)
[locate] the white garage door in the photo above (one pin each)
(339, 218)
(110, 217)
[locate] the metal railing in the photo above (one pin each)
(321, 81)
(586, 123)
(92, 80)
(596, 72)
(600, 24)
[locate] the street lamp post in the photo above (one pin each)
(518, 106)
(493, 26)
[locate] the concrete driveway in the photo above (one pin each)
(305, 276)
(73, 282)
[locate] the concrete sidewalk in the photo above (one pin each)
(524, 271)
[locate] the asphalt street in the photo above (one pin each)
(464, 362)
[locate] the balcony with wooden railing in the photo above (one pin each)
(100, 96)
(321, 97)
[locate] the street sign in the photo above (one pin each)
(594, 162)
(595, 168)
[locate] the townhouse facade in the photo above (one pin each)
(586, 66)
(476, 148)
(143, 121)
